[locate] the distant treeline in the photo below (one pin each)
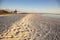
(7, 12)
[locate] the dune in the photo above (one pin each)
(33, 27)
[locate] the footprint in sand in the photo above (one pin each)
(32, 27)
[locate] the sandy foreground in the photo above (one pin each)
(29, 27)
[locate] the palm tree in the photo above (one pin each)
(15, 11)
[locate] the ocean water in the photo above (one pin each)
(55, 16)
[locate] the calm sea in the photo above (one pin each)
(56, 16)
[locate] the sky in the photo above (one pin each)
(32, 5)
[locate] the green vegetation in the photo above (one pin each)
(3, 12)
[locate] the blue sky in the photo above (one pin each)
(31, 5)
